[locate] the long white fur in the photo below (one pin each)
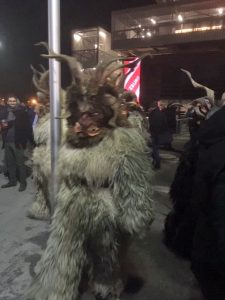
(88, 211)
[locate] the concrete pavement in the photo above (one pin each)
(22, 241)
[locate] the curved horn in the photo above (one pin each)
(198, 112)
(130, 65)
(210, 93)
(175, 104)
(40, 80)
(43, 44)
(42, 68)
(202, 101)
(74, 65)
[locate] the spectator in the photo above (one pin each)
(157, 126)
(16, 131)
(208, 254)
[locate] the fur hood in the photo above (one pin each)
(42, 130)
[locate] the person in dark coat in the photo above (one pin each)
(208, 251)
(157, 126)
(195, 228)
(180, 222)
(16, 132)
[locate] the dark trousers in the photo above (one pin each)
(15, 162)
(155, 151)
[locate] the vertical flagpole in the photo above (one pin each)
(55, 86)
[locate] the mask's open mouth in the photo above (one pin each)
(86, 131)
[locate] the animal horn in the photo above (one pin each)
(41, 80)
(210, 93)
(74, 65)
(130, 65)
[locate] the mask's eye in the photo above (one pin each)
(94, 114)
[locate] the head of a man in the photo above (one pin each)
(12, 101)
(160, 105)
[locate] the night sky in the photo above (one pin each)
(24, 23)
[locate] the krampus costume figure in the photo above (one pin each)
(136, 114)
(180, 222)
(41, 154)
(196, 226)
(104, 197)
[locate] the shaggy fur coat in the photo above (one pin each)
(105, 194)
(40, 208)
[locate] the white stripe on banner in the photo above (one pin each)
(132, 82)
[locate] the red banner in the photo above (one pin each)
(132, 82)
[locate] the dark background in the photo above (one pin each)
(24, 23)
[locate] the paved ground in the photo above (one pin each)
(22, 241)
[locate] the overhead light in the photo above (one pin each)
(148, 33)
(203, 28)
(143, 36)
(139, 25)
(153, 21)
(143, 29)
(102, 34)
(220, 11)
(77, 37)
(180, 18)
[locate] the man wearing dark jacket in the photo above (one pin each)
(157, 126)
(16, 132)
(208, 250)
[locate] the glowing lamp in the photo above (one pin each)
(220, 11)
(180, 18)
(102, 34)
(77, 37)
(33, 101)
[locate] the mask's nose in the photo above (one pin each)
(77, 127)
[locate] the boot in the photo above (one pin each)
(9, 184)
(22, 187)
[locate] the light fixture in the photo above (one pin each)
(102, 34)
(96, 46)
(220, 11)
(148, 33)
(143, 36)
(153, 21)
(139, 25)
(33, 101)
(180, 18)
(77, 37)
(203, 28)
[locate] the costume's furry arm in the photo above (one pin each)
(133, 184)
(62, 262)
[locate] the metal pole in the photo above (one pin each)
(55, 87)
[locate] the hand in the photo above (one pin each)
(4, 124)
